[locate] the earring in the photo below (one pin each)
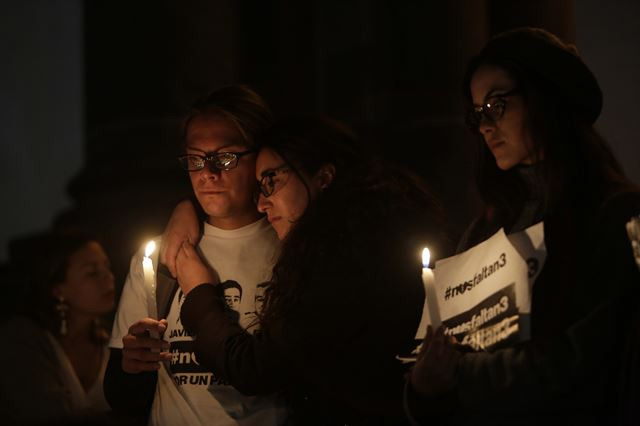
(62, 308)
(328, 176)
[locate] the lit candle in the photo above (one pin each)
(430, 293)
(150, 284)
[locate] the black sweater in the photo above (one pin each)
(583, 307)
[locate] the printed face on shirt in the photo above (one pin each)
(226, 196)
(259, 298)
(290, 195)
(507, 137)
(232, 297)
(88, 287)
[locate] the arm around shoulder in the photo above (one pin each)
(252, 363)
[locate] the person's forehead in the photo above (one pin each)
(91, 252)
(211, 134)
(267, 160)
(487, 81)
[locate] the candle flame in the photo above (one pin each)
(150, 248)
(426, 257)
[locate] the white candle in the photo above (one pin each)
(431, 304)
(150, 284)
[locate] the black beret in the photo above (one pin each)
(539, 52)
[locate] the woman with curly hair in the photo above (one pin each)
(346, 295)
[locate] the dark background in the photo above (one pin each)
(92, 92)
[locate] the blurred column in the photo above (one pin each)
(556, 16)
(146, 61)
(41, 112)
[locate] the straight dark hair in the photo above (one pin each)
(576, 161)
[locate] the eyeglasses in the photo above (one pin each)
(217, 161)
(273, 180)
(490, 111)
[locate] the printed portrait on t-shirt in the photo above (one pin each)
(251, 318)
(259, 297)
(232, 294)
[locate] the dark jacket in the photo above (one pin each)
(583, 304)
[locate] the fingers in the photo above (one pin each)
(185, 253)
(188, 250)
(180, 261)
(435, 370)
(429, 335)
(437, 346)
(148, 324)
(169, 249)
(143, 342)
(440, 342)
(168, 253)
(445, 346)
(189, 215)
(139, 360)
(140, 352)
(183, 226)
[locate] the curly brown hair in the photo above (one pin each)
(367, 202)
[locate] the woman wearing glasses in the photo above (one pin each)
(533, 103)
(346, 295)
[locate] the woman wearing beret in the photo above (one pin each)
(532, 103)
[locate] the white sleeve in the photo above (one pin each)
(133, 302)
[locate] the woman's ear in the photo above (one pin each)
(325, 176)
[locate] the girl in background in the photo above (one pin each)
(55, 351)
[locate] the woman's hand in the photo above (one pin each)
(191, 271)
(183, 226)
(434, 372)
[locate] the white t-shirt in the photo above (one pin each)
(189, 394)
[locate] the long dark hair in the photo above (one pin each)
(577, 162)
(363, 197)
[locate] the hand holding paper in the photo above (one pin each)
(434, 372)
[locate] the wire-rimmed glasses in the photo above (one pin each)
(217, 161)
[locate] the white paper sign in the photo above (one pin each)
(483, 295)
